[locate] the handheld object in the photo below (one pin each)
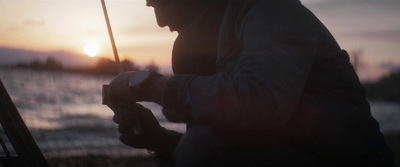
(137, 128)
(140, 79)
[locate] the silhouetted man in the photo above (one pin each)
(258, 83)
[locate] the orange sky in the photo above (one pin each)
(71, 24)
(51, 25)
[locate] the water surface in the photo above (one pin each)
(65, 116)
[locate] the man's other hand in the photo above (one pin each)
(136, 116)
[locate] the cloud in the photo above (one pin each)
(360, 18)
(142, 29)
(93, 31)
(33, 22)
(28, 22)
(22, 26)
(390, 35)
(390, 66)
(12, 29)
(10, 56)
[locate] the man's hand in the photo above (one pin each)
(128, 117)
(120, 92)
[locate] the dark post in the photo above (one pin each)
(28, 153)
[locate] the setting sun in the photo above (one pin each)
(91, 49)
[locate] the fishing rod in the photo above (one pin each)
(110, 33)
(137, 129)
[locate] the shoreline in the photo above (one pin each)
(392, 138)
(102, 161)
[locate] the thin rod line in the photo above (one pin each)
(116, 57)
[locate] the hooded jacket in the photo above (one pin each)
(270, 69)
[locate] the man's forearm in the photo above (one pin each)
(155, 91)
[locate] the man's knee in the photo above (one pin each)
(198, 147)
(201, 147)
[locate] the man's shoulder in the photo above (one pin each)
(238, 10)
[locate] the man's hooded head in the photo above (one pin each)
(176, 14)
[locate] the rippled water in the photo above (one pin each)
(64, 113)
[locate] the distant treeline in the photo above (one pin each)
(387, 89)
(49, 64)
(104, 66)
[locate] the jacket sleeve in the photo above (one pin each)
(259, 86)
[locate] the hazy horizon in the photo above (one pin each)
(369, 27)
